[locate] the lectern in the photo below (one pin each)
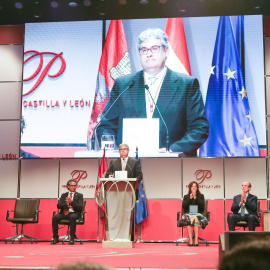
(120, 202)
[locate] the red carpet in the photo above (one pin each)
(142, 255)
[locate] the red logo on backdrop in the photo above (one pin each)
(46, 68)
(201, 175)
(78, 175)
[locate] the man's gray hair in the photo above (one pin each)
(157, 33)
(124, 144)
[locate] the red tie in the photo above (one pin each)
(66, 211)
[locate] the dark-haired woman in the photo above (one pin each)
(194, 197)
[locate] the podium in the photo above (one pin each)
(120, 202)
(266, 220)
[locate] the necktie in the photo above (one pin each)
(66, 211)
(124, 164)
(152, 80)
(242, 211)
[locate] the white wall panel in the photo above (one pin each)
(238, 170)
(84, 171)
(10, 100)
(11, 63)
(9, 178)
(162, 178)
(9, 139)
(39, 178)
(208, 173)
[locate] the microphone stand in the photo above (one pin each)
(167, 137)
(131, 83)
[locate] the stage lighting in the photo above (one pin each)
(103, 7)
(122, 2)
(18, 5)
(256, 4)
(73, 4)
(37, 10)
(183, 6)
(54, 4)
(87, 3)
(144, 2)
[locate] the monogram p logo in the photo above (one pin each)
(201, 175)
(46, 69)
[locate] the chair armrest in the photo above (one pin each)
(82, 214)
(8, 212)
(259, 215)
(56, 212)
(178, 215)
(36, 214)
(208, 216)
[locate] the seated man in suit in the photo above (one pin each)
(244, 208)
(125, 163)
(70, 205)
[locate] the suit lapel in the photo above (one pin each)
(167, 93)
(118, 165)
(129, 163)
(137, 94)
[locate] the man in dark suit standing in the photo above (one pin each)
(177, 96)
(244, 208)
(125, 163)
(70, 205)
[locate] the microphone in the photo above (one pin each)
(167, 137)
(107, 171)
(130, 84)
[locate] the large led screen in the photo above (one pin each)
(195, 87)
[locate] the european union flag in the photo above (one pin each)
(141, 212)
(232, 131)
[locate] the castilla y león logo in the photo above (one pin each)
(45, 70)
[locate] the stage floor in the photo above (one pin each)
(142, 255)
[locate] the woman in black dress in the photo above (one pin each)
(194, 197)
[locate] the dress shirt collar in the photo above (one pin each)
(159, 75)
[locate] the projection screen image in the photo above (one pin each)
(167, 87)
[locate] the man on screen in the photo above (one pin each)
(177, 96)
(125, 163)
(244, 208)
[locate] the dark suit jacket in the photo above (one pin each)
(198, 201)
(133, 168)
(179, 101)
(251, 204)
(77, 202)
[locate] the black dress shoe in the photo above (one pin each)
(55, 240)
(196, 245)
(190, 245)
(71, 241)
